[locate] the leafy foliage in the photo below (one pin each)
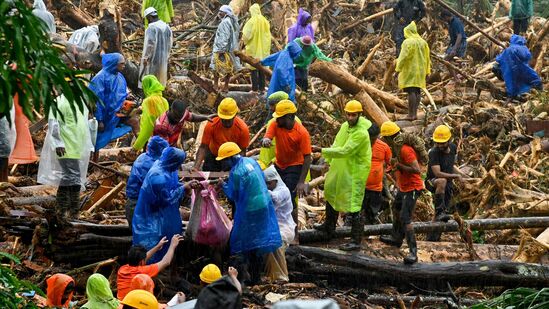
(11, 287)
(519, 298)
(31, 66)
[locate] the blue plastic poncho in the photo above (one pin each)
(301, 27)
(255, 225)
(143, 164)
(157, 212)
(283, 78)
(110, 87)
(519, 77)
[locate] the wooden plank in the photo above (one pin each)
(107, 197)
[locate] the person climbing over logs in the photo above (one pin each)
(282, 62)
(309, 53)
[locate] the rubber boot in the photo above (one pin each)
(74, 202)
(412, 247)
(329, 225)
(357, 228)
(63, 203)
(440, 209)
(397, 234)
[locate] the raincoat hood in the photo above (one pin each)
(294, 49)
(99, 293)
(271, 174)
(39, 5)
(226, 9)
(256, 34)
(301, 28)
(151, 85)
(410, 31)
(172, 158)
(255, 10)
(56, 288)
(517, 40)
(142, 282)
(302, 17)
(155, 147)
(110, 62)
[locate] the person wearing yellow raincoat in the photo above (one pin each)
(163, 7)
(413, 66)
(349, 158)
(153, 106)
(256, 35)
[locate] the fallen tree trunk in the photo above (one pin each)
(366, 19)
(31, 200)
(393, 300)
(72, 15)
(491, 28)
(350, 268)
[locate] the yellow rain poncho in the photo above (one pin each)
(414, 62)
(257, 34)
(350, 159)
(153, 106)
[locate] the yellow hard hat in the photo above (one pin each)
(227, 109)
(353, 106)
(210, 273)
(140, 299)
(226, 150)
(389, 128)
(442, 134)
(284, 107)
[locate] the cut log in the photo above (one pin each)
(539, 36)
(31, 200)
(365, 19)
(491, 28)
(256, 63)
(371, 109)
(72, 15)
(362, 69)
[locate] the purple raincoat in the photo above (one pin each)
(301, 27)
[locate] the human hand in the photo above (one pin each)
(100, 126)
(266, 143)
(60, 151)
(232, 272)
(301, 189)
(175, 240)
(193, 184)
(161, 243)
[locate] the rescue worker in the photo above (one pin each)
(153, 106)
(282, 62)
(405, 12)
(86, 38)
(349, 160)
(302, 27)
(224, 62)
(413, 66)
(255, 231)
(209, 274)
(309, 52)
(41, 11)
(256, 35)
(410, 185)
(139, 299)
(145, 282)
(156, 48)
(293, 150)
(98, 291)
(226, 127)
(458, 38)
(521, 11)
(163, 7)
(59, 291)
(140, 168)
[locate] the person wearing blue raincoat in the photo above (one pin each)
(513, 62)
(109, 85)
(283, 78)
(140, 168)
(157, 212)
(255, 229)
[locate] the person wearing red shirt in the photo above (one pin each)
(293, 149)
(381, 158)
(170, 124)
(226, 127)
(410, 185)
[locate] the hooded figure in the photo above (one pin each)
(109, 86)
(164, 9)
(519, 77)
(302, 27)
(256, 34)
(98, 291)
(23, 149)
(40, 11)
(157, 211)
(227, 38)
(282, 201)
(140, 168)
(156, 51)
(58, 295)
(86, 38)
(154, 105)
(414, 61)
(283, 78)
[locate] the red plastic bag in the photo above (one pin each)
(208, 224)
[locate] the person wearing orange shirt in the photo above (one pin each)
(410, 185)
(381, 158)
(293, 149)
(226, 127)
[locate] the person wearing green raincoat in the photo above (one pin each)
(153, 107)
(256, 35)
(413, 66)
(349, 158)
(308, 54)
(521, 11)
(163, 7)
(99, 294)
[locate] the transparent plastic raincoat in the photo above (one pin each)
(256, 34)
(143, 164)
(255, 225)
(414, 61)
(283, 78)
(350, 158)
(514, 61)
(157, 212)
(86, 38)
(301, 27)
(71, 132)
(99, 293)
(153, 107)
(109, 86)
(156, 51)
(282, 200)
(227, 39)
(41, 11)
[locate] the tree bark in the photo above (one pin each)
(72, 15)
(371, 109)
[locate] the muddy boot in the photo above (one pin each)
(329, 225)
(74, 202)
(63, 203)
(440, 209)
(357, 228)
(412, 247)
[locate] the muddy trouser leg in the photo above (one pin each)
(71, 179)
(255, 80)
(290, 177)
(4, 169)
(301, 78)
(130, 208)
(398, 225)
(331, 218)
(371, 206)
(261, 78)
(255, 266)
(408, 205)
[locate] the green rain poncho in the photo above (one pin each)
(414, 61)
(153, 106)
(350, 158)
(163, 7)
(99, 293)
(521, 9)
(308, 54)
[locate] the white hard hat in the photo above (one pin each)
(150, 11)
